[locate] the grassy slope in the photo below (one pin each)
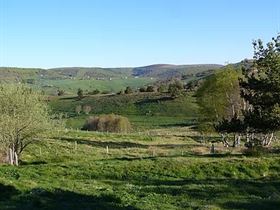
(115, 85)
(143, 110)
(146, 171)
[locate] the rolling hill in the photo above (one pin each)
(104, 79)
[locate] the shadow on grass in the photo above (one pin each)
(206, 139)
(59, 199)
(6, 192)
(110, 144)
(154, 100)
(227, 193)
(37, 162)
(181, 124)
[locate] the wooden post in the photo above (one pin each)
(107, 149)
(40, 151)
(212, 149)
(76, 146)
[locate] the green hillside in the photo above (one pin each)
(144, 110)
(105, 79)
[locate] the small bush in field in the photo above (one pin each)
(108, 123)
(86, 109)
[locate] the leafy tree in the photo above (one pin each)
(219, 101)
(142, 89)
(219, 96)
(80, 93)
(162, 88)
(175, 89)
(87, 109)
(260, 87)
(150, 88)
(78, 109)
(128, 90)
(24, 118)
(60, 92)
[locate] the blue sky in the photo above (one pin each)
(115, 33)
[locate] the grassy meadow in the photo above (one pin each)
(164, 163)
(155, 169)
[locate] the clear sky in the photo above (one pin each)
(115, 33)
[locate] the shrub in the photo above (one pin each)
(108, 123)
(60, 92)
(80, 93)
(128, 90)
(150, 89)
(86, 109)
(78, 109)
(142, 89)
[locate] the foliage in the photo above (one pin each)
(142, 89)
(150, 88)
(60, 92)
(108, 123)
(86, 109)
(78, 109)
(128, 90)
(24, 118)
(261, 89)
(80, 93)
(176, 88)
(219, 97)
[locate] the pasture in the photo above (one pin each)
(167, 168)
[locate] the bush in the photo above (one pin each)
(142, 89)
(108, 123)
(87, 109)
(128, 90)
(150, 89)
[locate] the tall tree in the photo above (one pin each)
(219, 102)
(260, 87)
(219, 96)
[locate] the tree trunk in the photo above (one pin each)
(270, 139)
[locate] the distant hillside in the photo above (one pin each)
(104, 79)
(165, 71)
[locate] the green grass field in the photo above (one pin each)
(146, 110)
(156, 169)
(71, 86)
(162, 164)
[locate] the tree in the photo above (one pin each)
(86, 109)
(60, 92)
(80, 93)
(142, 89)
(161, 88)
(219, 102)
(78, 109)
(150, 88)
(128, 90)
(175, 89)
(24, 118)
(260, 87)
(219, 96)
